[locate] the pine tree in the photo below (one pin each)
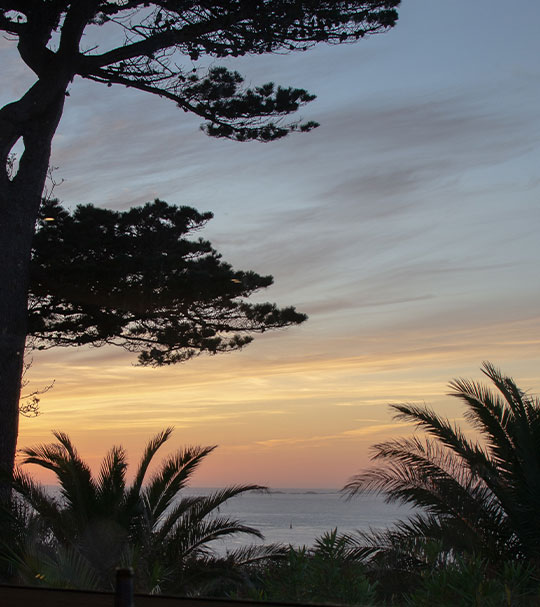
(163, 39)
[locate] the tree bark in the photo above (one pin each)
(34, 119)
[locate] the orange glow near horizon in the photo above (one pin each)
(280, 418)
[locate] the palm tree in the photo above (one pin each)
(478, 496)
(99, 523)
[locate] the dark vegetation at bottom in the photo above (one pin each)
(325, 574)
(475, 540)
(329, 573)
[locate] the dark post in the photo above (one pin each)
(124, 588)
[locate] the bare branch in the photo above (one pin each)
(77, 18)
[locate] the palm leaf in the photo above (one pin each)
(100, 524)
(110, 490)
(193, 520)
(481, 499)
(194, 533)
(41, 502)
(77, 486)
(248, 555)
(151, 449)
(172, 477)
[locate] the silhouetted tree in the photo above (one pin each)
(131, 278)
(101, 522)
(162, 39)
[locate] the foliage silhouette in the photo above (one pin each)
(329, 572)
(477, 498)
(467, 582)
(133, 279)
(163, 41)
(99, 523)
(335, 571)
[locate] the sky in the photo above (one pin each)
(405, 226)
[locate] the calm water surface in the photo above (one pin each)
(299, 516)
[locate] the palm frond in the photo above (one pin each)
(337, 547)
(248, 555)
(508, 388)
(194, 512)
(193, 522)
(481, 499)
(69, 569)
(208, 504)
(418, 473)
(449, 435)
(77, 485)
(151, 449)
(173, 476)
(515, 448)
(194, 532)
(163, 526)
(101, 523)
(488, 414)
(111, 486)
(34, 494)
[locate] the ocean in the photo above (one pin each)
(299, 516)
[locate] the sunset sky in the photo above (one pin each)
(406, 226)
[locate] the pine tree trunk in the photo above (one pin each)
(15, 255)
(33, 118)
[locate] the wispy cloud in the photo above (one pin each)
(366, 431)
